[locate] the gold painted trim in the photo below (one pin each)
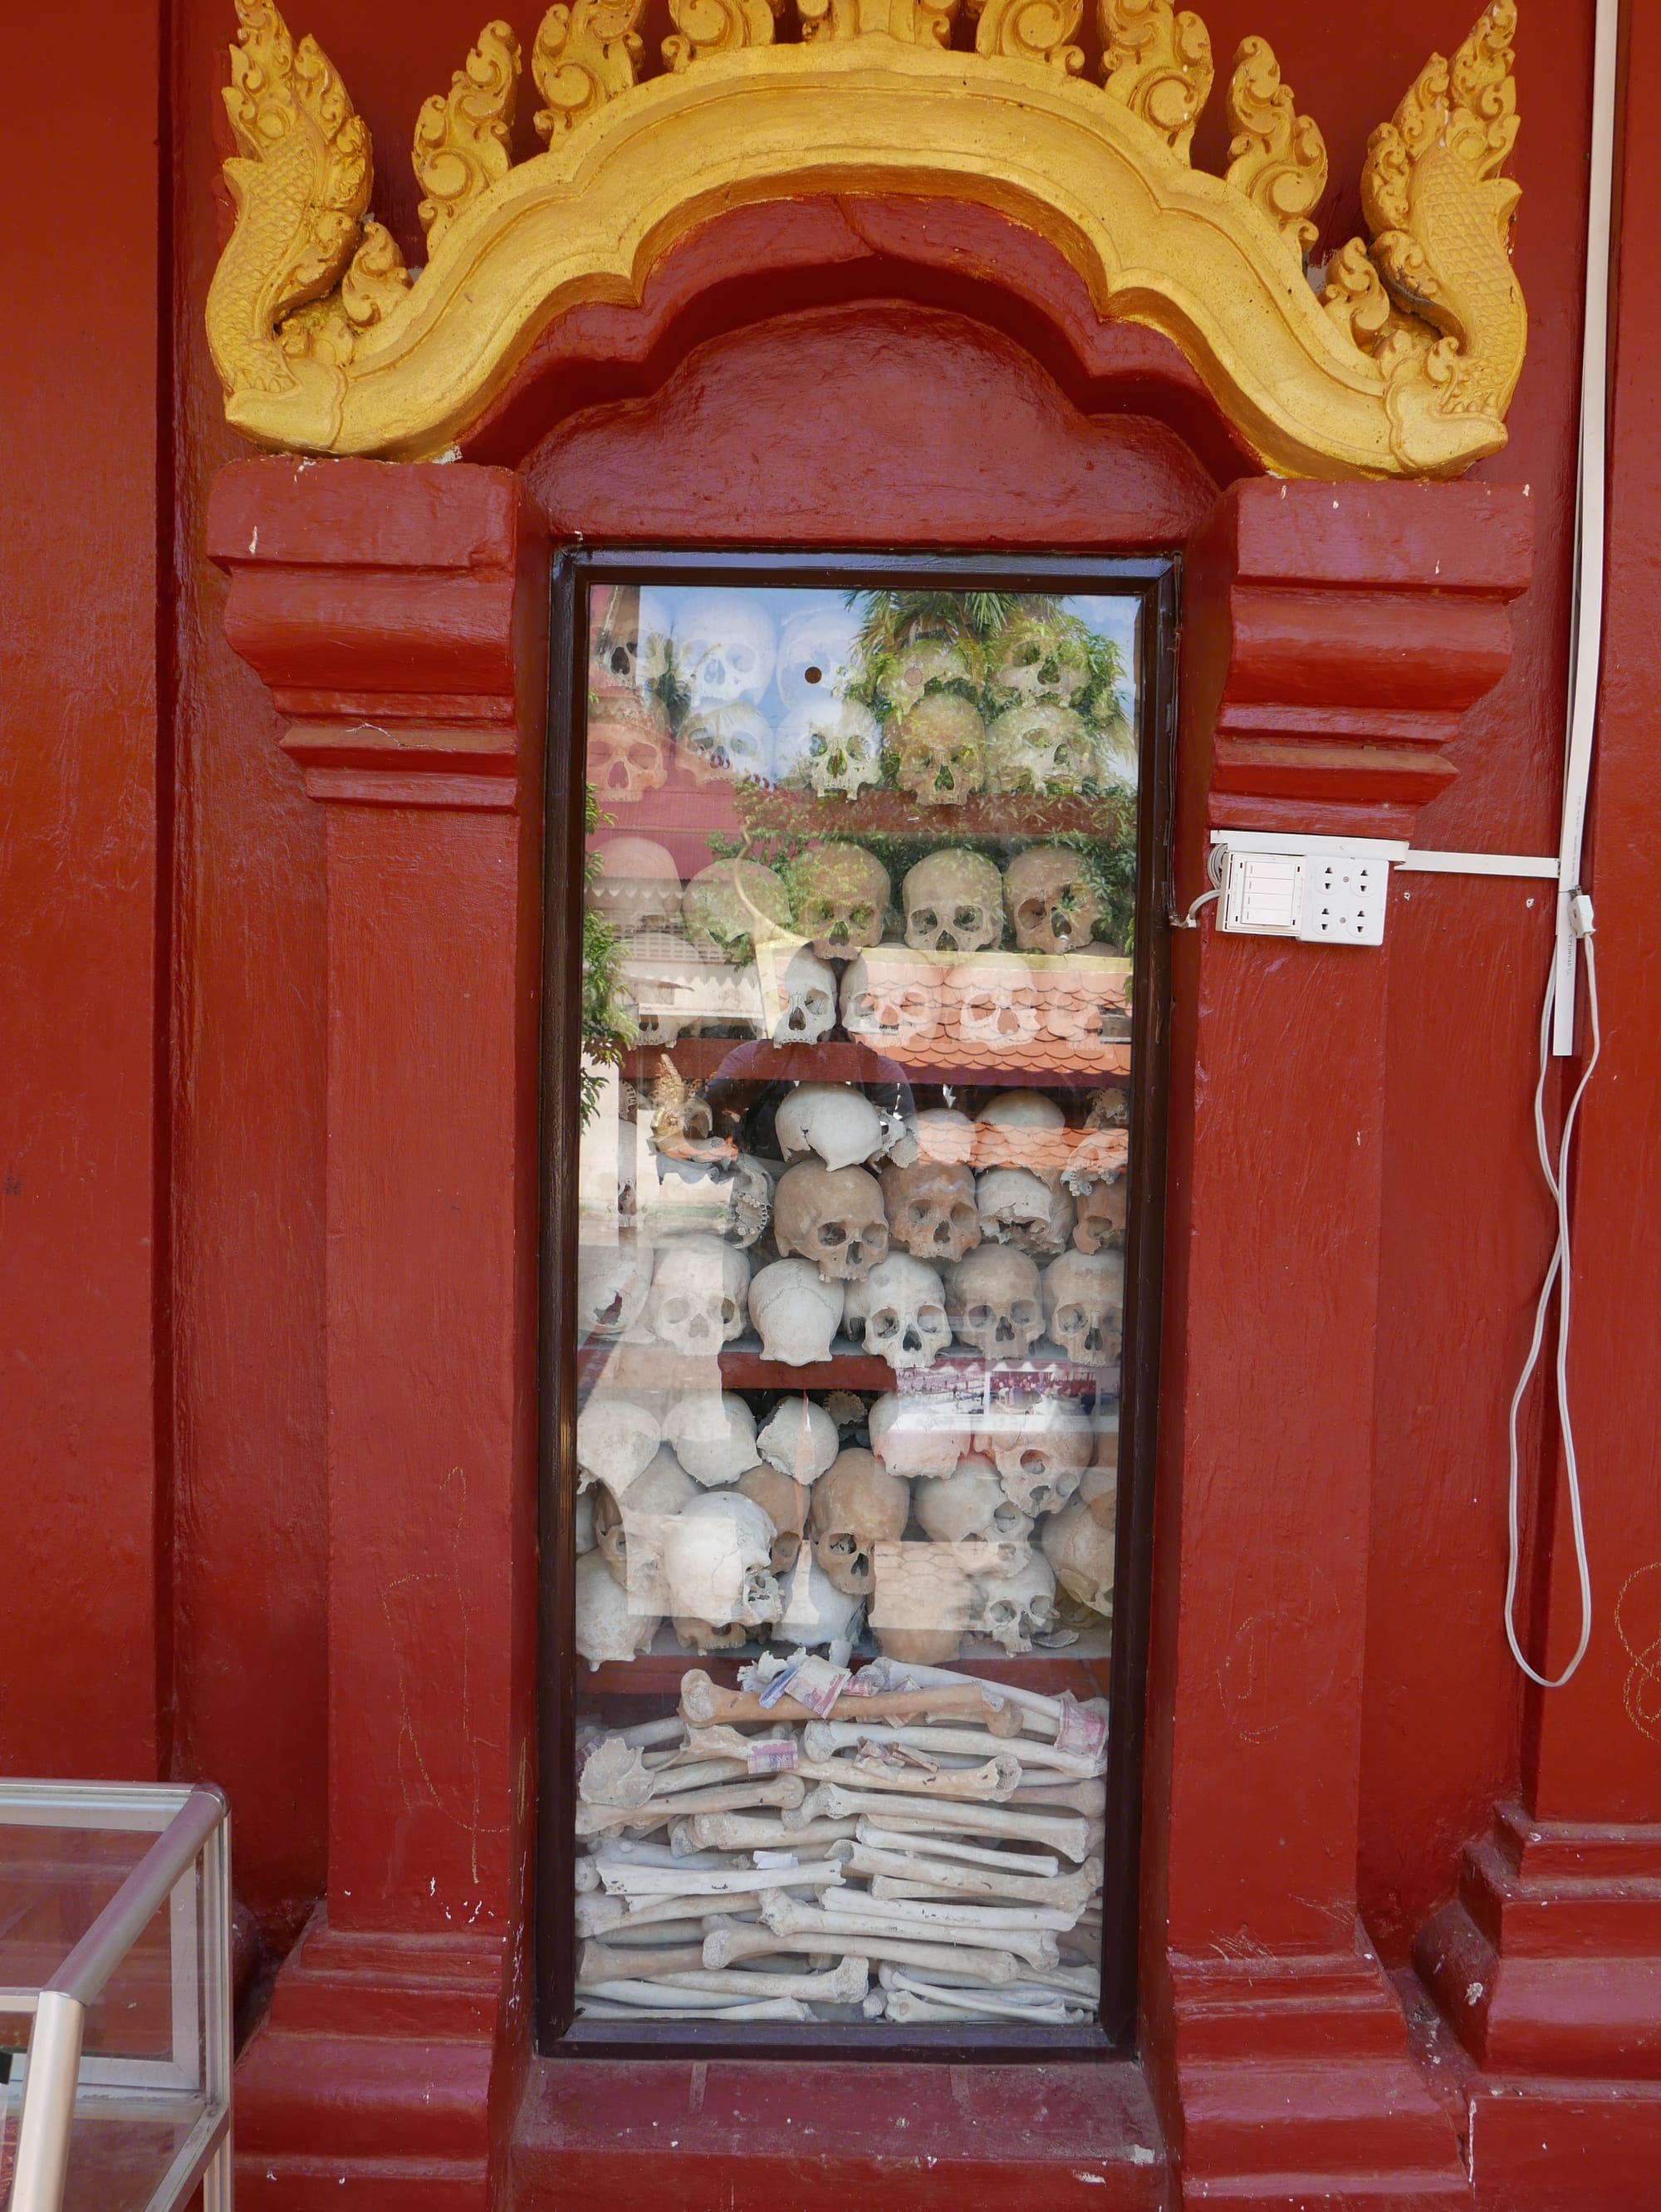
(1403, 365)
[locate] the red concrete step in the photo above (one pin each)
(682, 2135)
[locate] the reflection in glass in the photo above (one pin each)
(851, 1283)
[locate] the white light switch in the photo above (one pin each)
(1262, 894)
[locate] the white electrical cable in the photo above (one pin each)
(1574, 916)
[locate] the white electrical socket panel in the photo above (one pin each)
(1320, 891)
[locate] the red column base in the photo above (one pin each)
(1548, 1960)
(370, 2083)
(1297, 2087)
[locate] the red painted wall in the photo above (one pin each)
(237, 1519)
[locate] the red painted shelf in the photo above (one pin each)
(1081, 1669)
(743, 1367)
(699, 1058)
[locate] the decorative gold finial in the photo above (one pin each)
(914, 22)
(718, 27)
(462, 136)
(1277, 156)
(1158, 63)
(586, 53)
(1034, 30)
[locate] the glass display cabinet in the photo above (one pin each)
(852, 1120)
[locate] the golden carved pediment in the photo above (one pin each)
(1401, 364)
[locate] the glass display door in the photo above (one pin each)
(850, 1196)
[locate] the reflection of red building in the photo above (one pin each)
(267, 1217)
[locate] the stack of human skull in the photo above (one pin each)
(953, 1506)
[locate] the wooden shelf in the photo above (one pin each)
(1082, 1668)
(742, 1366)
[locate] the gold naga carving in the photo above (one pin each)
(1397, 358)
(462, 138)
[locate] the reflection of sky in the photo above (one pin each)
(1112, 615)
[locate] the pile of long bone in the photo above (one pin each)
(928, 1850)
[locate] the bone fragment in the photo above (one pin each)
(822, 1738)
(723, 1946)
(1068, 1893)
(703, 1702)
(1033, 1703)
(917, 1816)
(1086, 1797)
(595, 1914)
(703, 1774)
(773, 2009)
(649, 1734)
(636, 1852)
(657, 1934)
(644, 1912)
(638, 1881)
(735, 1832)
(1035, 1948)
(757, 1754)
(904, 1991)
(907, 2011)
(606, 1962)
(1078, 1982)
(663, 2001)
(993, 1783)
(1035, 1865)
(843, 1984)
(729, 1797)
(585, 1877)
(614, 1773)
(943, 1913)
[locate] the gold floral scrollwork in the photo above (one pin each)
(1031, 30)
(300, 182)
(914, 22)
(1354, 296)
(1159, 62)
(461, 137)
(586, 53)
(718, 27)
(1277, 157)
(375, 282)
(1440, 215)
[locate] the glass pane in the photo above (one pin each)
(850, 1279)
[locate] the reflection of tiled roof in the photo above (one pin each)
(1086, 1152)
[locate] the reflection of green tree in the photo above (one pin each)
(608, 1031)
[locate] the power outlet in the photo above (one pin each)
(1345, 898)
(1320, 891)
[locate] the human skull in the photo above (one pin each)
(1085, 1006)
(1027, 1121)
(840, 742)
(629, 1532)
(1016, 1609)
(892, 1002)
(614, 646)
(901, 1309)
(717, 743)
(1019, 1207)
(992, 1005)
(616, 1441)
(939, 748)
(1099, 1485)
(831, 1216)
(1080, 1548)
(628, 751)
(1051, 899)
(1084, 1305)
(854, 1508)
(922, 661)
(841, 899)
(613, 1282)
(1040, 1448)
(994, 1300)
(816, 1610)
(808, 990)
(1041, 750)
(917, 1438)
(785, 1504)
(1037, 660)
(922, 1603)
(725, 645)
(818, 652)
(932, 1209)
(715, 1561)
(730, 905)
(696, 1302)
(635, 884)
(971, 1513)
(795, 1313)
(953, 902)
(800, 1439)
(1102, 1208)
(832, 1119)
(713, 1436)
(606, 1629)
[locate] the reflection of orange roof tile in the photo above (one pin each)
(1092, 1152)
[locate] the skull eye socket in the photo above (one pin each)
(925, 919)
(860, 916)
(832, 1233)
(1023, 1313)
(966, 917)
(620, 657)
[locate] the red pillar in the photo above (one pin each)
(1333, 637)
(398, 615)
(1548, 1960)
